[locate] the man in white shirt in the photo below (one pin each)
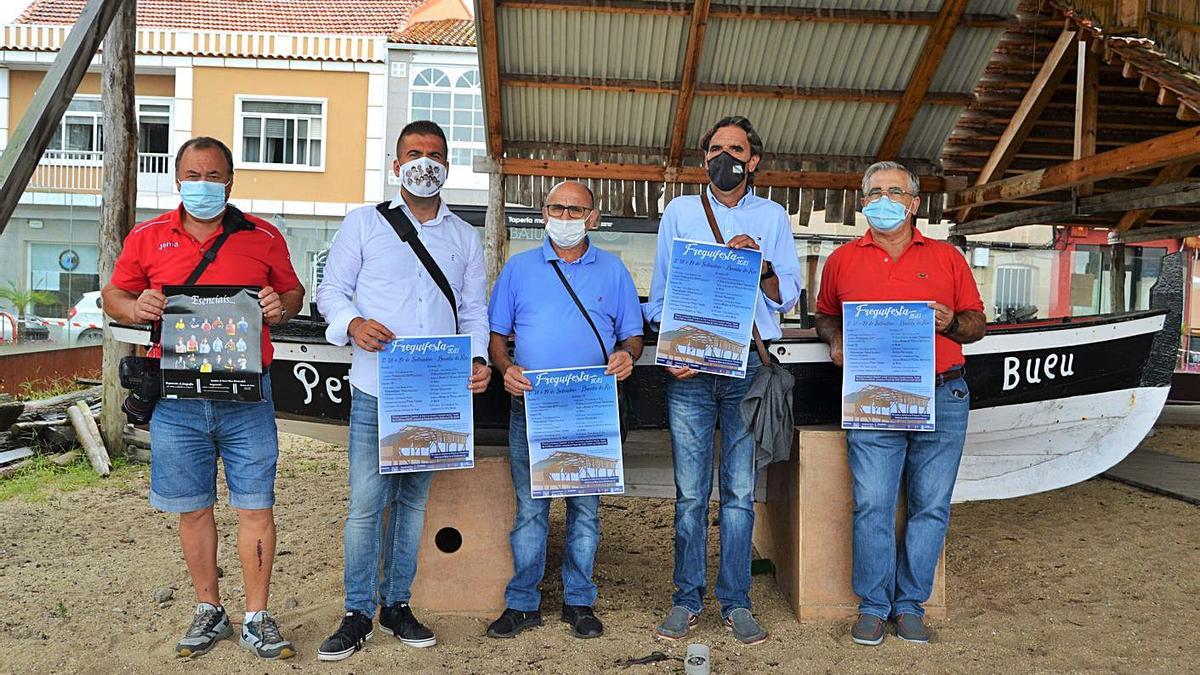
(374, 289)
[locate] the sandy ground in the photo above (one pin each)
(1181, 441)
(1095, 577)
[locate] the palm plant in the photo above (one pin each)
(22, 298)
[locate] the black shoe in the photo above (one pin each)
(350, 637)
(398, 620)
(512, 622)
(584, 623)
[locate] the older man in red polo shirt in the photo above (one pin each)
(893, 261)
(188, 434)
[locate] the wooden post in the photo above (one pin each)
(117, 213)
(1118, 278)
(495, 229)
(1087, 103)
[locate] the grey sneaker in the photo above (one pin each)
(744, 627)
(912, 628)
(677, 624)
(261, 636)
(867, 630)
(208, 625)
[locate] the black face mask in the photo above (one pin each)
(726, 171)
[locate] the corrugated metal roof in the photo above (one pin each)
(591, 44)
(971, 47)
(800, 54)
(587, 117)
(799, 127)
(930, 129)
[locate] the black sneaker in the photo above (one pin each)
(584, 623)
(209, 625)
(350, 637)
(512, 622)
(398, 620)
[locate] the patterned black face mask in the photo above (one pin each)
(726, 171)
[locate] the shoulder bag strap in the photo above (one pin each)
(582, 310)
(716, 232)
(407, 232)
(233, 221)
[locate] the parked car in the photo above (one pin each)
(34, 329)
(85, 321)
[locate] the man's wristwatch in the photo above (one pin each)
(952, 326)
(480, 360)
(769, 273)
(282, 314)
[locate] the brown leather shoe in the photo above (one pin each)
(912, 628)
(867, 630)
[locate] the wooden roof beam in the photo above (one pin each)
(1032, 105)
(631, 86)
(1171, 173)
(1180, 146)
(759, 13)
(1087, 105)
(695, 175)
(687, 83)
(922, 75)
(489, 57)
(1156, 196)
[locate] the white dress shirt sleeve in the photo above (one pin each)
(335, 295)
(472, 305)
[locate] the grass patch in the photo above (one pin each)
(43, 478)
(48, 388)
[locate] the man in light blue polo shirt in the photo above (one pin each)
(697, 401)
(531, 303)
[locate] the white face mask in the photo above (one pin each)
(422, 176)
(566, 233)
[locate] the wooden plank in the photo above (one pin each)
(495, 229)
(1134, 158)
(28, 141)
(117, 211)
(489, 57)
(1087, 104)
(10, 456)
(694, 175)
(687, 83)
(1182, 193)
(1047, 80)
(634, 86)
(922, 75)
(760, 12)
(1171, 173)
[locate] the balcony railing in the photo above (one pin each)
(83, 171)
(1174, 25)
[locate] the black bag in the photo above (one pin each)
(623, 405)
(407, 232)
(140, 374)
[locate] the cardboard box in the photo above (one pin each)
(805, 528)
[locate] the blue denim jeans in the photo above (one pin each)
(693, 408)
(402, 495)
(187, 435)
(892, 578)
(528, 536)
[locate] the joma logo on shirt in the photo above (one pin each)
(163, 245)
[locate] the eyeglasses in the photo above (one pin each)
(893, 192)
(557, 210)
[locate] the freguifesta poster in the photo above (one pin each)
(888, 378)
(708, 308)
(426, 420)
(212, 343)
(574, 433)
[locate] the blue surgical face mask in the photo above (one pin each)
(885, 215)
(203, 199)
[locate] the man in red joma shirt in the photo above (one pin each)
(187, 434)
(893, 261)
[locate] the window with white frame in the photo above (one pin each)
(80, 130)
(451, 97)
(281, 134)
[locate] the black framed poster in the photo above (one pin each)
(212, 343)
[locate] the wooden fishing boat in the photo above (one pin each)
(1053, 402)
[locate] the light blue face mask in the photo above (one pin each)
(203, 199)
(885, 215)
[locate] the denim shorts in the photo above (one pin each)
(187, 435)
